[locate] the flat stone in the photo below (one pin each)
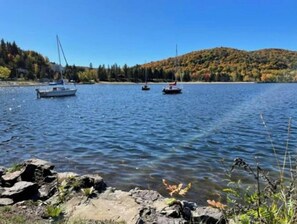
(117, 206)
(10, 178)
(21, 190)
(5, 201)
(145, 195)
(40, 163)
(208, 215)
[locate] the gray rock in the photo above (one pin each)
(190, 205)
(147, 215)
(42, 164)
(36, 170)
(166, 220)
(93, 180)
(21, 191)
(9, 179)
(2, 170)
(150, 215)
(173, 211)
(49, 179)
(144, 196)
(47, 190)
(208, 215)
(5, 201)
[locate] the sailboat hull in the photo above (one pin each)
(56, 92)
(145, 87)
(168, 90)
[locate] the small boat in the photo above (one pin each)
(59, 82)
(60, 89)
(172, 88)
(145, 86)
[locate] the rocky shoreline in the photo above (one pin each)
(36, 191)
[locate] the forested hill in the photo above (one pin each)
(14, 61)
(228, 64)
(217, 64)
(18, 64)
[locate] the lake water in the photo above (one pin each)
(136, 138)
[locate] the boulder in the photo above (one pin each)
(154, 209)
(39, 163)
(22, 190)
(208, 215)
(92, 180)
(9, 179)
(47, 190)
(36, 170)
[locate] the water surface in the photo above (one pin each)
(136, 138)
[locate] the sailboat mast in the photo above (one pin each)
(58, 47)
(60, 66)
(63, 52)
(176, 63)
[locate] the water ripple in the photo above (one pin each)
(133, 138)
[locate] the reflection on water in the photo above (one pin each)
(136, 138)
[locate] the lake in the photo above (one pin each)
(135, 138)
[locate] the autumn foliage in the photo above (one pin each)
(176, 189)
(228, 64)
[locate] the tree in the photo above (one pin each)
(185, 76)
(102, 73)
(87, 76)
(4, 72)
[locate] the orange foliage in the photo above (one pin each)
(177, 189)
(216, 204)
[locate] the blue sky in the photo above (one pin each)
(138, 31)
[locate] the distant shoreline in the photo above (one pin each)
(32, 83)
(19, 83)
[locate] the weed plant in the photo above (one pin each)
(53, 211)
(88, 192)
(266, 200)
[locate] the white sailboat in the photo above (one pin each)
(61, 90)
(173, 88)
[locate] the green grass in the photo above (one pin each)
(9, 216)
(15, 167)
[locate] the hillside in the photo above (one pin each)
(216, 64)
(228, 64)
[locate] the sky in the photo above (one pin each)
(140, 31)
